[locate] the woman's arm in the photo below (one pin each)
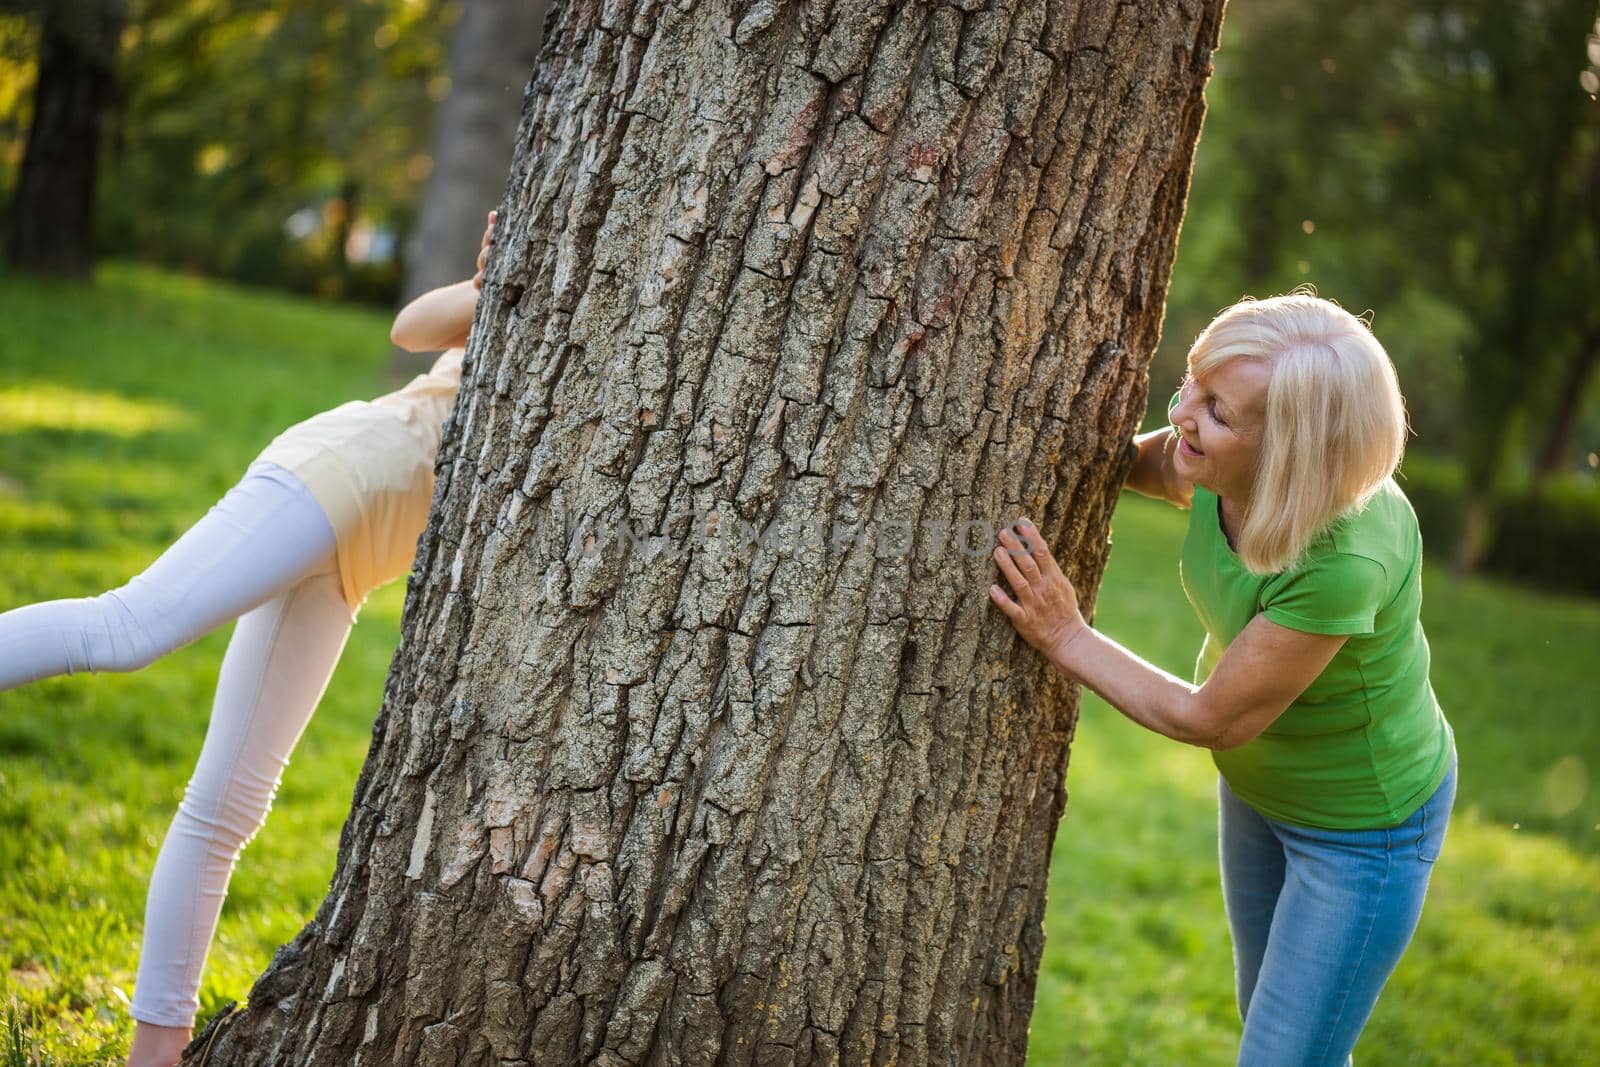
(1153, 473)
(1264, 669)
(441, 318)
(438, 319)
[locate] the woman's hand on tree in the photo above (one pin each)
(1045, 611)
(483, 253)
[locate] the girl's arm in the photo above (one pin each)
(441, 318)
(436, 320)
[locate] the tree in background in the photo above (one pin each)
(1502, 174)
(1580, 266)
(258, 142)
(863, 287)
(256, 136)
(49, 226)
(1432, 160)
(474, 131)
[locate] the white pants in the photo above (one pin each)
(265, 555)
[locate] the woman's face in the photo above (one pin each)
(1219, 419)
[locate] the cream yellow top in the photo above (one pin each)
(369, 464)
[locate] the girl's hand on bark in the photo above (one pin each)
(1045, 611)
(483, 253)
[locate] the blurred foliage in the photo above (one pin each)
(1434, 161)
(1544, 537)
(237, 116)
(19, 41)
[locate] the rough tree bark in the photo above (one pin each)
(491, 52)
(50, 221)
(793, 801)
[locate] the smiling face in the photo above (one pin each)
(1292, 414)
(1219, 418)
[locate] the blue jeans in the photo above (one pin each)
(1319, 920)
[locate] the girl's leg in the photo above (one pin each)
(265, 534)
(1252, 877)
(1351, 900)
(275, 671)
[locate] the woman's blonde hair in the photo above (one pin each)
(1335, 425)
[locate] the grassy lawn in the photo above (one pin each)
(128, 408)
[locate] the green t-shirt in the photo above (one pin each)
(1366, 744)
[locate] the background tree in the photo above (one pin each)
(1556, 448)
(281, 144)
(1433, 160)
(1515, 119)
(897, 264)
(491, 52)
(256, 138)
(1580, 267)
(50, 220)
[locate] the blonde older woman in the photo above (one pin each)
(1303, 562)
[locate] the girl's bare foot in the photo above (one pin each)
(157, 1046)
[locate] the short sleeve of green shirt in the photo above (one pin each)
(1334, 593)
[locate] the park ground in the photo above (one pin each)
(127, 408)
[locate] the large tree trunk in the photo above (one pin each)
(897, 266)
(50, 223)
(492, 50)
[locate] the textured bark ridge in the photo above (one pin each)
(715, 799)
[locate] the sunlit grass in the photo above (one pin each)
(1504, 969)
(156, 392)
(1137, 966)
(44, 407)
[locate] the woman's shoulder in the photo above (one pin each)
(1385, 513)
(1383, 528)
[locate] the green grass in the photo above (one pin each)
(129, 407)
(1505, 967)
(126, 410)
